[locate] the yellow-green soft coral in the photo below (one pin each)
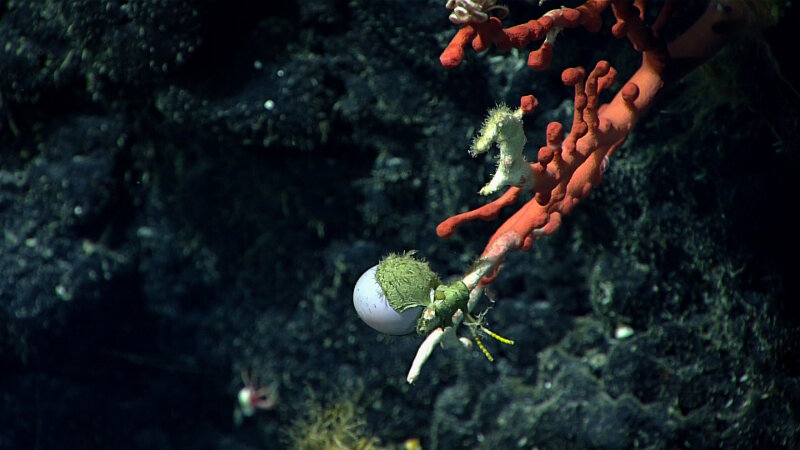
(504, 127)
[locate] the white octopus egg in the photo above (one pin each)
(373, 308)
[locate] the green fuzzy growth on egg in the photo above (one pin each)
(406, 281)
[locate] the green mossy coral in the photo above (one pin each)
(339, 426)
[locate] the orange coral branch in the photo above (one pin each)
(567, 168)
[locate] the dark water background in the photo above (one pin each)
(189, 190)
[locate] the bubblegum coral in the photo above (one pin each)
(568, 167)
